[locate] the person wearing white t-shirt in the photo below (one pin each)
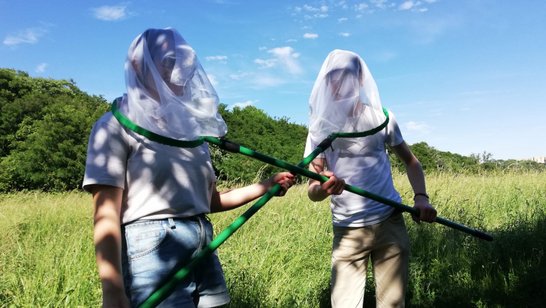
(151, 199)
(345, 99)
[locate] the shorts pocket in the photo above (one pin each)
(144, 239)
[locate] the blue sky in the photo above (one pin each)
(465, 76)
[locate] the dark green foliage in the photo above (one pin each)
(253, 128)
(45, 125)
(434, 160)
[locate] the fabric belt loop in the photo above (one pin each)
(171, 223)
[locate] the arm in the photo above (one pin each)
(318, 191)
(416, 178)
(234, 198)
(107, 238)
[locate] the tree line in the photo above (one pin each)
(45, 125)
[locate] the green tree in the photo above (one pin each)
(253, 128)
(46, 124)
(22, 99)
(434, 160)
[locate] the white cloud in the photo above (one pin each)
(266, 81)
(288, 58)
(342, 4)
(311, 12)
(41, 68)
(313, 9)
(406, 5)
(417, 127)
(381, 4)
(239, 76)
(110, 13)
(311, 36)
(266, 63)
(361, 7)
(27, 36)
(415, 6)
(344, 34)
(285, 57)
(242, 105)
(222, 59)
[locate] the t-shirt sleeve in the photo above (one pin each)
(394, 135)
(107, 153)
(310, 146)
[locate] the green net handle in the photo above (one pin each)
(151, 135)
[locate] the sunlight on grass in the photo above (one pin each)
(281, 256)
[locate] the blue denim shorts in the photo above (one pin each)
(154, 249)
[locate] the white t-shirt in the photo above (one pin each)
(159, 181)
(363, 163)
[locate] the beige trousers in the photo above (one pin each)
(387, 245)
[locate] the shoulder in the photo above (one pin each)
(394, 134)
(108, 119)
(109, 122)
(392, 118)
(108, 127)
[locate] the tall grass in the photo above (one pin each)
(281, 257)
(46, 251)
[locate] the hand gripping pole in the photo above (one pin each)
(169, 284)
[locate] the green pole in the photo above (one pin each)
(168, 286)
(232, 147)
(160, 294)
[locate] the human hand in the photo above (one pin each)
(426, 211)
(284, 179)
(334, 185)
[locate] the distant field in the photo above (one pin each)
(280, 257)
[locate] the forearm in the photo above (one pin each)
(416, 177)
(421, 200)
(107, 238)
(318, 191)
(315, 192)
(234, 198)
(237, 197)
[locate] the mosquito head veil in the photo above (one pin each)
(168, 92)
(344, 97)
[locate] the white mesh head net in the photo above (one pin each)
(168, 92)
(344, 98)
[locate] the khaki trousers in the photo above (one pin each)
(387, 245)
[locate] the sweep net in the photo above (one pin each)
(344, 98)
(168, 92)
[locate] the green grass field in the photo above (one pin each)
(280, 257)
